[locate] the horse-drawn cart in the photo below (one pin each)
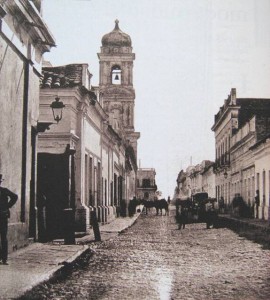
(198, 206)
(198, 209)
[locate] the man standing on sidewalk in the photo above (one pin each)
(7, 200)
(257, 204)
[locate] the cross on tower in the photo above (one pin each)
(116, 24)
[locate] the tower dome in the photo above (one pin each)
(116, 38)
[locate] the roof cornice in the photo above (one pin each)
(27, 17)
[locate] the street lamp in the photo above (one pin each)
(57, 109)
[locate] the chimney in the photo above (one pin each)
(233, 96)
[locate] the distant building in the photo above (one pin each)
(146, 184)
(182, 189)
(24, 37)
(196, 179)
(208, 179)
(241, 126)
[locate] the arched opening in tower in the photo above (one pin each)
(116, 75)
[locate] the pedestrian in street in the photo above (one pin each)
(7, 200)
(221, 205)
(209, 213)
(257, 204)
(182, 216)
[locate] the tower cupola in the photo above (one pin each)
(116, 83)
(116, 38)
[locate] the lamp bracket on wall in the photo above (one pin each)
(42, 126)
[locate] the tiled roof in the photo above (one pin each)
(62, 76)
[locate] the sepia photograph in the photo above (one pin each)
(135, 149)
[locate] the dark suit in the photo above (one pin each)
(7, 200)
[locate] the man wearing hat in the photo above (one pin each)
(7, 200)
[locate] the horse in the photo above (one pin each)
(161, 204)
(148, 204)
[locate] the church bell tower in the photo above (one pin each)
(116, 82)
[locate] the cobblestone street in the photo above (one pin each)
(154, 260)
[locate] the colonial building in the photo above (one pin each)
(196, 179)
(81, 161)
(240, 127)
(261, 152)
(189, 180)
(182, 189)
(69, 150)
(24, 37)
(113, 172)
(89, 160)
(117, 95)
(146, 184)
(208, 179)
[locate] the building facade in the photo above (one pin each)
(240, 126)
(69, 150)
(81, 161)
(209, 179)
(182, 189)
(24, 37)
(146, 184)
(89, 160)
(261, 152)
(196, 179)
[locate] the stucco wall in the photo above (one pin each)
(12, 78)
(11, 116)
(92, 139)
(262, 169)
(11, 109)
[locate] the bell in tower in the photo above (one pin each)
(116, 75)
(116, 81)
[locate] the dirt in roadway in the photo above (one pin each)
(155, 260)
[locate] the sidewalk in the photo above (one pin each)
(256, 223)
(110, 230)
(256, 230)
(39, 262)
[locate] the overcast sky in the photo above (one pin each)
(189, 54)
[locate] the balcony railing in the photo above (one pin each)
(222, 161)
(147, 186)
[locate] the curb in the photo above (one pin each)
(55, 272)
(67, 264)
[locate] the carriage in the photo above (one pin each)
(198, 206)
(205, 209)
(195, 207)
